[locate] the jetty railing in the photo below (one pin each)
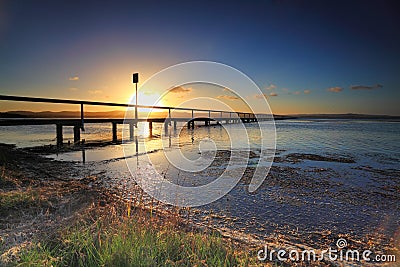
(78, 124)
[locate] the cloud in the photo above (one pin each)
(95, 92)
(74, 78)
(180, 89)
(228, 97)
(270, 87)
(73, 89)
(273, 94)
(306, 91)
(336, 89)
(366, 87)
(260, 96)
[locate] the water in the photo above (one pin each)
(301, 197)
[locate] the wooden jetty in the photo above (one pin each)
(78, 124)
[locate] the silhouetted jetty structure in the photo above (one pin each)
(78, 124)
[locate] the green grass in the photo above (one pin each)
(132, 243)
(17, 199)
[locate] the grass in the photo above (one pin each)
(13, 197)
(133, 242)
(16, 199)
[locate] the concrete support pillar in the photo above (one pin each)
(59, 132)
(114, 132)
(174, 125)
(151, 128)
(131, 131)
(190, 124)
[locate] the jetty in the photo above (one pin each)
(212, 117)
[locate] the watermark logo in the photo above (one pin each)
(341, 243)
(195, 110)
(341, 253)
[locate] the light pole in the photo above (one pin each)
(135, 80)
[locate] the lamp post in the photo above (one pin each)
(135, 80)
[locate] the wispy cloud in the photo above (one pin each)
(273, 94)
(298, 92)
(366, 87)
(270, 87)
(74, 78)
(95, 92)
(260, 96)
(228, 97)
(73, 89)
(336, 89)
(180, 89)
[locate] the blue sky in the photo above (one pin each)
(306, 55)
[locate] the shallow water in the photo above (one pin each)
(301, 197)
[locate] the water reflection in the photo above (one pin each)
(83, 155)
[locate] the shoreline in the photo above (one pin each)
(31, 165)
(59, 201)
(55, 201)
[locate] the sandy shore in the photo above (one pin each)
(62, 194)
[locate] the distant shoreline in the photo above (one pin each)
(345, 116)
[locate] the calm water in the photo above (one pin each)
(371, 142)
(299, 199)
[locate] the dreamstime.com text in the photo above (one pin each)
(338, 254)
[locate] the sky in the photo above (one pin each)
(306, 56)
